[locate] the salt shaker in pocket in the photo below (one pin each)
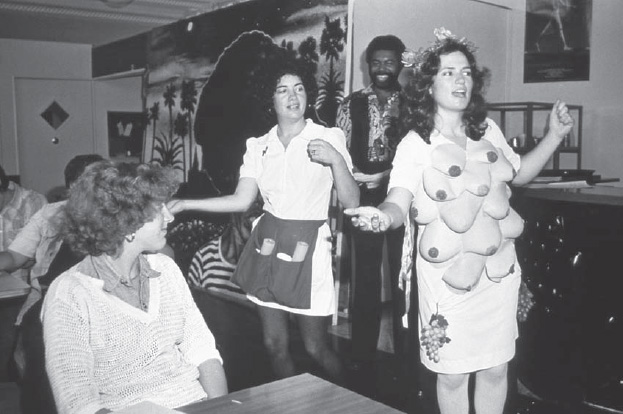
(300, 251)
(267, 247)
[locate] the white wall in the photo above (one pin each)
(413, 22)
(25, 58)
(52, 60)
(499, 33)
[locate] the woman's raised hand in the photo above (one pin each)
(560, 121)
(369, 219)
(322, 152)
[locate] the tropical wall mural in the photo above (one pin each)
(203, 75)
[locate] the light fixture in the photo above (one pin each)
(116, 4)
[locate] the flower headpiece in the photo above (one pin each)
(413, 59)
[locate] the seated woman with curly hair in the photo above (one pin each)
(121, 327)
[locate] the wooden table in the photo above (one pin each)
(301, 394)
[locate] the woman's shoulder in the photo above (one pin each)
(493, 131)
(492, 127)
(261, 140)
(71, 285)
(330, 134)
(412, 140)
(163, 264)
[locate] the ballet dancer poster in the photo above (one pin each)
(557, 46)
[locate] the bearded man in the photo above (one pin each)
(370, 121)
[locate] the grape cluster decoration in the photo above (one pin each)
(525, 303)
(434, 336)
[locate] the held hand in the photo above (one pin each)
(371, 181)
(175, 206)
(322, 152)
(560, 121)
(369, 219)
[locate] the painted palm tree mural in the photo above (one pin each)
(152, 116)
(331, 87)
(202, 72)
(169, 147)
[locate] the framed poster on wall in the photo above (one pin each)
(557, 43)
(126, 136)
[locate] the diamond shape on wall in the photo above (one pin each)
(55, 115)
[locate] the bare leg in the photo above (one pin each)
(314, 330)
(561, 32)
(452, 393)
(490, 390)
(545, 29)
(276, 335)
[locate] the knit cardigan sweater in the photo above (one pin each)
(104, 353)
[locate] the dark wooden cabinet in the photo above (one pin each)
(571, 346)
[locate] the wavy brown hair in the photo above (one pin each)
(420, 108)
(110, 201)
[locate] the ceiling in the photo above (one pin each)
(92, 21)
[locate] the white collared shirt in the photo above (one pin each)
(292, 186)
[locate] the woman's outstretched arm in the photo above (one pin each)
(242, 199)
(390, 214)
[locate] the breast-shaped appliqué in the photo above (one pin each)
(423, 208)
(441, 187)
(484, 237)
(459, 214)
(502, 169)
(512, 225)
(438, 243)
(465, 272)
(502, 263)
(463, 204)
(448, 159)
(496, 203)
(477, 177)
(482, 151)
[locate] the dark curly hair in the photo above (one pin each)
(286, 65)
(75, 167)
(386, 42)
(110, 201)
(421, 108)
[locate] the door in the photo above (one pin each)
(54, 124)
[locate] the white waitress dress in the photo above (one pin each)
(295, 188)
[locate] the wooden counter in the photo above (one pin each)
(601, 195)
